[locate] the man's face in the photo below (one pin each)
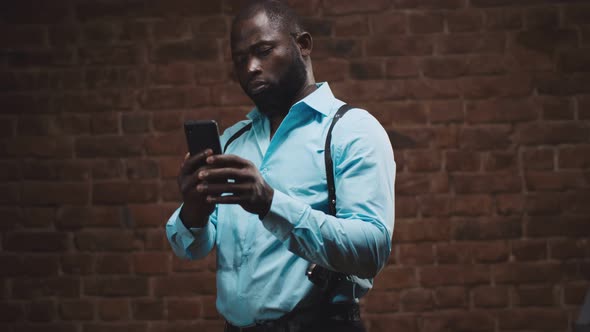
(267, 62)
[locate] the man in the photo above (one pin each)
(264, 203)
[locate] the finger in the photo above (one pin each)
(219, 174)
(227, 160)
(231, 199)
(231, 188)
(193, 162)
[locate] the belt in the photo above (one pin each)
(297, 319)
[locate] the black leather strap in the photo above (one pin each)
(328, 160)
(236, 135)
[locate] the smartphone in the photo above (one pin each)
(202, 135)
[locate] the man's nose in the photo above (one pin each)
(254, 65)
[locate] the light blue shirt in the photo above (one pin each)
(261, 265)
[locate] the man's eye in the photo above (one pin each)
(265, 51)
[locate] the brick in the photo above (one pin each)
(62, 287)
(553, 133)
(77, 264)
(496, 86)
(367, 70)
(35, 217)
(485, 64)
(551, 181)
(500, 110)
(538, 159)
(151, 263)
(105, 241)
(482, 138)
(400, 46)
(526, 272)
(172, 74)
(76, 310)
(41, 310)
(21, 13)
(487, 229)
(349, 26)
(529, 250)
(72, 217)
(464, 161)
(490, 297)
(36, 241)
(115, 327)
(584, 107)
(535, 296)
(542, 18)
(124, 192)
(471, 205)
(426, 22)
(537, 319)
(135, 123)
(38, 147)
(547, 41)
(166, 121)
(335, 7)
(566, 249)
(464, 21)
(67, 170)
(465, 43)
(200, 49)
(172, 29)
(444, 67)
(182, 309)
(435, 206)
(472, 252)
(445, 111)
(575, 293)
(556, 108)
(210, 26)
(382, 302)
(398, 67)
(406, 207)
(417, 300)
(155, 9)
(116, 286)
(544, 203)
(150, 215)
(342, 48)
(183, 265)
(396, 323)
(450, 275)
(450, 297)
(423, 161)
(428, 4)
(501, 161)
(109, 146)
(114, 309)
(11, 311)
(459, 321)
(422, 230)
(416, 254)
(574, 157)
(225, 95)
(432, 89)
(331, 70)
(148, 309)
(185, 285)
(113, 264)
(369, 90)
(317, 26)
(549, 226)
(561, 84)
(489, 183)
(114, 78)
(392, 278)
(38, 266)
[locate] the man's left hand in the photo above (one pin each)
(248, 189)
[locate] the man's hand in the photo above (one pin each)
(195, 210)
(248, 188)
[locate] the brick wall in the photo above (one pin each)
(487, 101)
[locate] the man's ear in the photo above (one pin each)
(305, 43)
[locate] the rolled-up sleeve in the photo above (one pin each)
(193, 243)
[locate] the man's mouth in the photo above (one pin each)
(257, 87)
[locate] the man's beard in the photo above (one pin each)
(279, 97)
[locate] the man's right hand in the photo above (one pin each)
(195, 210)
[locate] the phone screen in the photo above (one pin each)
(202, 135)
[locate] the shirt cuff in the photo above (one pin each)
(284, 214)
(189, 236)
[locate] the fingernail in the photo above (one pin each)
(202, 175)
(201, 188)
(210, 160)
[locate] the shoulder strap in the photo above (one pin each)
(328, 159)
(236, 135)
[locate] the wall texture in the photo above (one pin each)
(488, 103)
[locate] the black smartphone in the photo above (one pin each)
(202, 135)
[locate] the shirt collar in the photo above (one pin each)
(320, 100)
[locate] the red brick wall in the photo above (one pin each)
(489, 101)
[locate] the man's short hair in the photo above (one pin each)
(278, 12)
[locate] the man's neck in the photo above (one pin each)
(277, 117)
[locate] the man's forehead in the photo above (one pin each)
(252, 29)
